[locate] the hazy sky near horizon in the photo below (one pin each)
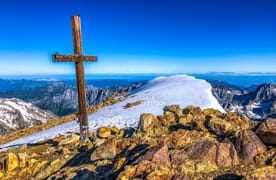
(133, 36)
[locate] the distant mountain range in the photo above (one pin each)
(61, 98)
(256, 102)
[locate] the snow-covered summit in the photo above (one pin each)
(157, 93)
(154, 95)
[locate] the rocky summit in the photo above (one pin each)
(179, 144)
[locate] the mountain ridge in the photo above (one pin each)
(16, 114)
(258, 102)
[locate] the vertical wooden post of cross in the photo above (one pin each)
(78, 58)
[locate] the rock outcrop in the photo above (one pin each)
(185, 143)
(267, 131)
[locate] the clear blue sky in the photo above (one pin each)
(149, 36)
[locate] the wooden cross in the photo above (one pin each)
(78, 58)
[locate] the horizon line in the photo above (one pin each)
(112, 73)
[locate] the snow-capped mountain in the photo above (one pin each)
(180, 89)
(16, 114)
(256, 103)
(152, 97)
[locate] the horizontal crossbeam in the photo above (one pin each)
(73, 58)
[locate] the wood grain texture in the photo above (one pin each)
(73, 58)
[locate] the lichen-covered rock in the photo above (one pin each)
(126, 132)
(219, 126)
(1, 174)
(248, 145)
(266, 158)
(183, 138)
(181, 177)
(226, 155)
(120, 163)
(199, 122)
(145, 167)
(212, 112)
(174, 109)
(185, 120)
(237, 122)
(104, 132)
(107, 150)
(73, 138)
(158, 154)
(12, 162)
(115, 130)
(191, 109)
(129, 172)
(38, 166)
(52, 167)
(167, 119)
(178, 157)
(158, 131)
(22, 159)
(194, 158)
(203, 151)
(147, 122)
(267, 131)
(160, 174)
(267, 172)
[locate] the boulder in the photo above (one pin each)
(158, 154)
(191, 109)
(267, 131)
(11, 162)
(219, 126)
(126, 132)
(237, 122)
(167, 119)
(174, 109)
(178, 158)
(226, 155)
(203, 151)
(114, 130)
(199, 122)
(211, 112)
(185, 120)
(22, 159)
(38, 166)
(194, 158)
(50, 168)
(73, 138)
(158, 131)
(145, 167)
(184, 138)
(107, 150)
(248, 145)
(147, 122)
(104, 132)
